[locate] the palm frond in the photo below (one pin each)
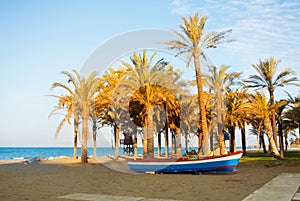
(54, 111)
(60, 126)
(255, 81)
(57, 84)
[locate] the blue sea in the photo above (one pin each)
(8, 153)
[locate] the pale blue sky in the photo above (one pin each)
(38, 39)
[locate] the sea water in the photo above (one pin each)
(8, 153)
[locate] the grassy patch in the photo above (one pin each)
(259, 156)
(292, 155)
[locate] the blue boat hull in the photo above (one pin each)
(218, 164)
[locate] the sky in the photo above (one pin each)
(39, 39)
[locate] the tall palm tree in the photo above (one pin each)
(193, 41)
(261, 109)
(266, 78)
(83, 97)
(146, 86)
(220, 83)
(66, 104)
(107, 109)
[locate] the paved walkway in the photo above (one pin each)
(94, 197)
(281, 188)
(296, 197)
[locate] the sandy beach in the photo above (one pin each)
(50, 179)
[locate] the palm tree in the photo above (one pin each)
(193, 42)
(83, 96)
(258, 130)
(293, 119)
(242, 126)
(219, 83)
(235, 116)
(190, 116)
(267, 79)
(146, 86)
(66, 104)
(189, 124)
(160, 124)
(107, 109)
(292, 115)
(260, 108)
(166, 118)
(280, 106)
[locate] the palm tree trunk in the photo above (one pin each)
(159, 144)
(222, 144)
(262, 142)
(200, 139)
(75, 136)
(280, 133)
(211, 141)
(75, 146)
(167, 143)
(135, 145)
(186, 142)
(272, 143)
(286, 141)
(117, 130)
(85, 131)
(145, 141)
(173, 143)
(231, 130)
(273, 113)
(203, 129)
(178, 142)
(148, 128)
(220, 124)
(114, 127)
(95, 136)
(166, 133)
(270, 148)
(243, 133)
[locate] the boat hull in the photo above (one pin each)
(216, 164)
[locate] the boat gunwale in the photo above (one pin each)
(181, 159)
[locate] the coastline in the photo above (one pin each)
(62, 160)
(26, 153)
(107, 161)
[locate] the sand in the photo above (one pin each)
(50, 179)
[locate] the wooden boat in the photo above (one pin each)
(209, 164)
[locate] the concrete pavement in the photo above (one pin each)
(281, 188)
